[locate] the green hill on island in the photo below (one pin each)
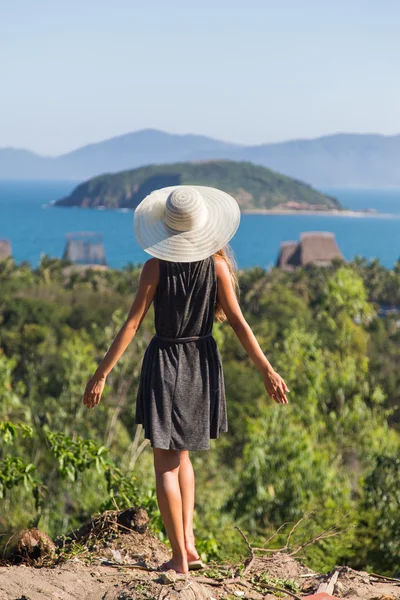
(254, 187)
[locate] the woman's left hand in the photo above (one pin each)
(93, 391)
(276, 387)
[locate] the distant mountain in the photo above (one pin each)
(334, 160)
(128, 151)
(253, 186)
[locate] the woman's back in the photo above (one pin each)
(185, 298)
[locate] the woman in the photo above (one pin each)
(181, 396)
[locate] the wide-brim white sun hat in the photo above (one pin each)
(185, 223)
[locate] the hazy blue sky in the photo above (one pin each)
(250, 71)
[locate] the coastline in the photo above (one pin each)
(256, 211)
(330, 213)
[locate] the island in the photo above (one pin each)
(255, 188)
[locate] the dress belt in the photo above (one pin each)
(192, 338)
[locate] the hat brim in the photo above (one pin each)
(157, 239)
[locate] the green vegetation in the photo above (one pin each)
(252, 186)
(329, 460)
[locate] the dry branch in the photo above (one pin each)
(248, 561)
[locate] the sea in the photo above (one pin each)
(34, 228)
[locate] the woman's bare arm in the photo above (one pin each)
(144, 296)
(274, 384)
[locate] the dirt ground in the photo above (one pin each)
(124, 568)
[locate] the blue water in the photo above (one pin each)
(34, 229)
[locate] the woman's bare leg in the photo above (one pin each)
(187, 485)
(167, 467)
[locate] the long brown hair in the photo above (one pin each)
(227, 254)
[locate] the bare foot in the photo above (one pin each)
(178, 565)
(191, 551)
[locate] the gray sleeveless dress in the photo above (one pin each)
(181, 395)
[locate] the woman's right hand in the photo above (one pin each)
(93, 391)
(276, 387)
